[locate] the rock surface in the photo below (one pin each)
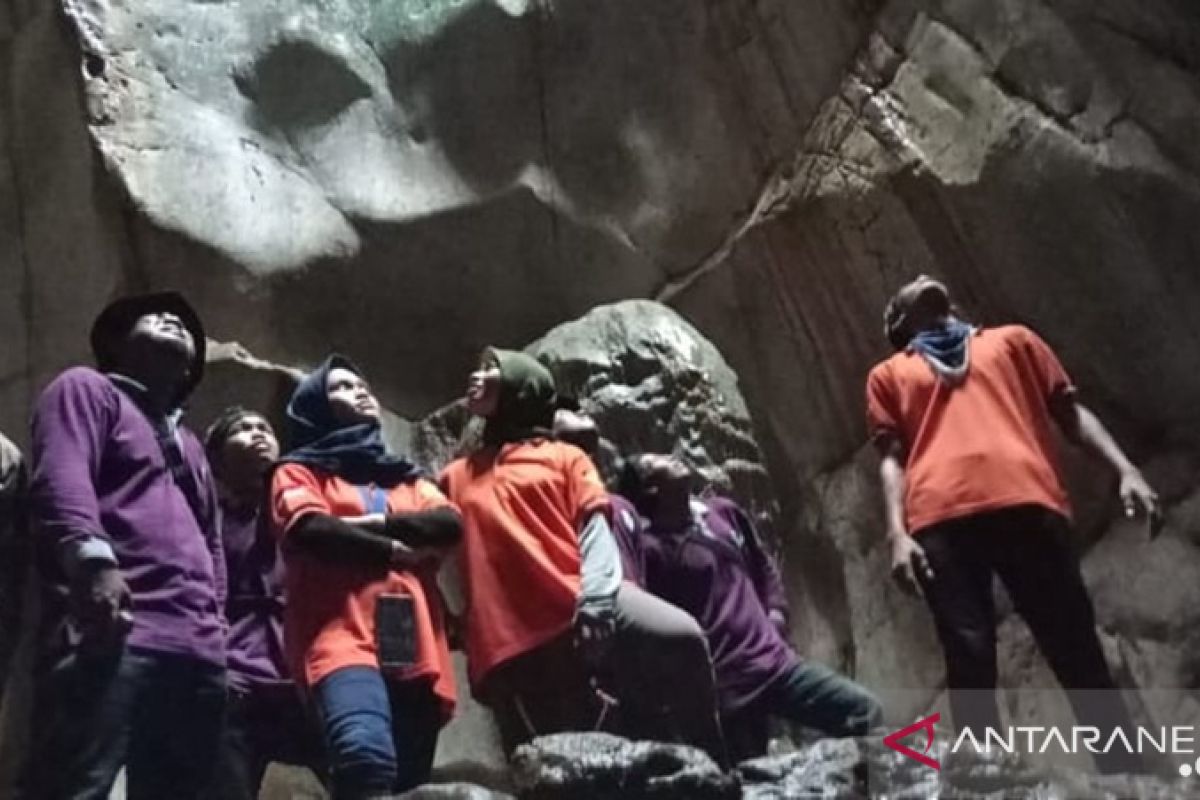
(448, 174)
(597, 766)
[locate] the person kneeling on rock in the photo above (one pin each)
(705, 556)
(546, 601)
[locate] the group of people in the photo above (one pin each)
(210, 607)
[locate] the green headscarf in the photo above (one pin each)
(527, 398)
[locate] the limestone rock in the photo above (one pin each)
(846, 768)
(600, 766)
(656, 384)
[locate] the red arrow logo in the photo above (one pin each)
(892, 740)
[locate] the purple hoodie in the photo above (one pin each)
(102, 489)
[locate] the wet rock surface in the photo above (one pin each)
(592, 766)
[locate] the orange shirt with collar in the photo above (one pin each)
(329, 621)
(981, 446)
(522, 506)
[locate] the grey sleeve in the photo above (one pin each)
(600, 568)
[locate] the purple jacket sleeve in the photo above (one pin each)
(71, 423)
(763, 569)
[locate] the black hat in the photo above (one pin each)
(114, 323)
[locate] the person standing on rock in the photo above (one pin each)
(963, 417)
(362, 533)
(706, 557)
(265, 721)
(127, 542)
(546, 603)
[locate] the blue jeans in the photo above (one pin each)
(159, 715)
(807, 694)
(380, 734)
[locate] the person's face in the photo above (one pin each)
(925, 300)
(578, 429)
(483, 390)
(250, 447)
(663, 470)
(162, 329)
(350, 397)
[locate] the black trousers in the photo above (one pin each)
(262, 727)
(1029, 548)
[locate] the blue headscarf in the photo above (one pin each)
(946, 349)
(355, 453)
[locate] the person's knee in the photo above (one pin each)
(362, 753)
(363, 757)
(971, 660)
(868, 716)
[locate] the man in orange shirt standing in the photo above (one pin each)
(963, 418)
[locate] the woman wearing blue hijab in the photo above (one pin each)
(362, 532)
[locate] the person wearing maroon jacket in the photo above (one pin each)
(128, 549)
(705, 556)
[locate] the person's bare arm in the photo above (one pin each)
(909, 565)
(1085, 429)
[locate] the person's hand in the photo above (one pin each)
(101, 602)
(595, 625)
(405, 557)
(909, 565)
(1137, 496)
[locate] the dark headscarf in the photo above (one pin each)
(527, 398)
(355, 453)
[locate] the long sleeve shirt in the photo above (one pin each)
(627, 532)
(715, 572)
(256, 601)
(110, 483)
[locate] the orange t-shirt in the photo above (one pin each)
(984, 445)
(520, 564)
(329, 620)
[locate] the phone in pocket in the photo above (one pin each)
(396, 631)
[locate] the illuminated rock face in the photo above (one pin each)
(407, 181)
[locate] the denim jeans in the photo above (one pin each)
(380, 735)
(807, 694)
(158, 715)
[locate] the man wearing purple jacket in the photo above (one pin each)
(265, 720)
(704, 556)
(128, 547)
